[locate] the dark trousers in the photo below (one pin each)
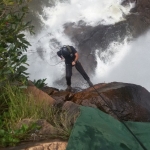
(79, 68)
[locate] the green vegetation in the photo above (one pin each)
(15, 104)
(12, 40)
(40, 83)
(19, 106)
(12, 137)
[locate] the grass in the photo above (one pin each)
(15, 106)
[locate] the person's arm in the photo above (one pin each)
(59, 54)
(76, 58)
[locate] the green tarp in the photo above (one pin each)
(96, 130)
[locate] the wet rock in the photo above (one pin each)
(49, 90)
(122, 100)
(62, 96)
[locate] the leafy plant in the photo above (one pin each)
(12, 137)
(19, 106)
(40, 83)
(15, 105)
(13, 44)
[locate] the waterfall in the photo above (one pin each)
(130, 64)
(116, 63)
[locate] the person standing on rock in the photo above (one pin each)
(71, 56)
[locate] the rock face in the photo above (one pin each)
(139, 19)
(122, 100)
(39, 95)
(50, 145)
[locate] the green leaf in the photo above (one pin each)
(2, 50)
(11, 69)
(25, 73)
(26, 42)
(24, 127)
(21, 69)
(23, 59)
(2, 132)
(7, 72)
(20, 35)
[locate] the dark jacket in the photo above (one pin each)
(70, 57)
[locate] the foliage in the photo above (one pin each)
(13, 44)
(15, 103)
(19, 106)
(12, 137)
(40, 83)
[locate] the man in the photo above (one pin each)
(71, 59)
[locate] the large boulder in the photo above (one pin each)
(39, 95)
(122, 100)
(72, 110)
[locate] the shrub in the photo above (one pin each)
(13, 44)
(39, 83)
(19, 106)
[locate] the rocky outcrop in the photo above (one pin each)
(49, 90)
(39, 95)
(49, 145)
(122, 100)
(45, 129)
(139, 19)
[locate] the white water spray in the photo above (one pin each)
(130, 64)
(51, 37)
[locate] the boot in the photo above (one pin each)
(68, 88)
(90, 83)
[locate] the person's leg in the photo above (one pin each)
(68, 75)
(83, 73)
(81, 70)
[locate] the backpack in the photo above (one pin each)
(66, 51)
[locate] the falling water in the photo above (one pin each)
(130, 64)
(114, 64)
